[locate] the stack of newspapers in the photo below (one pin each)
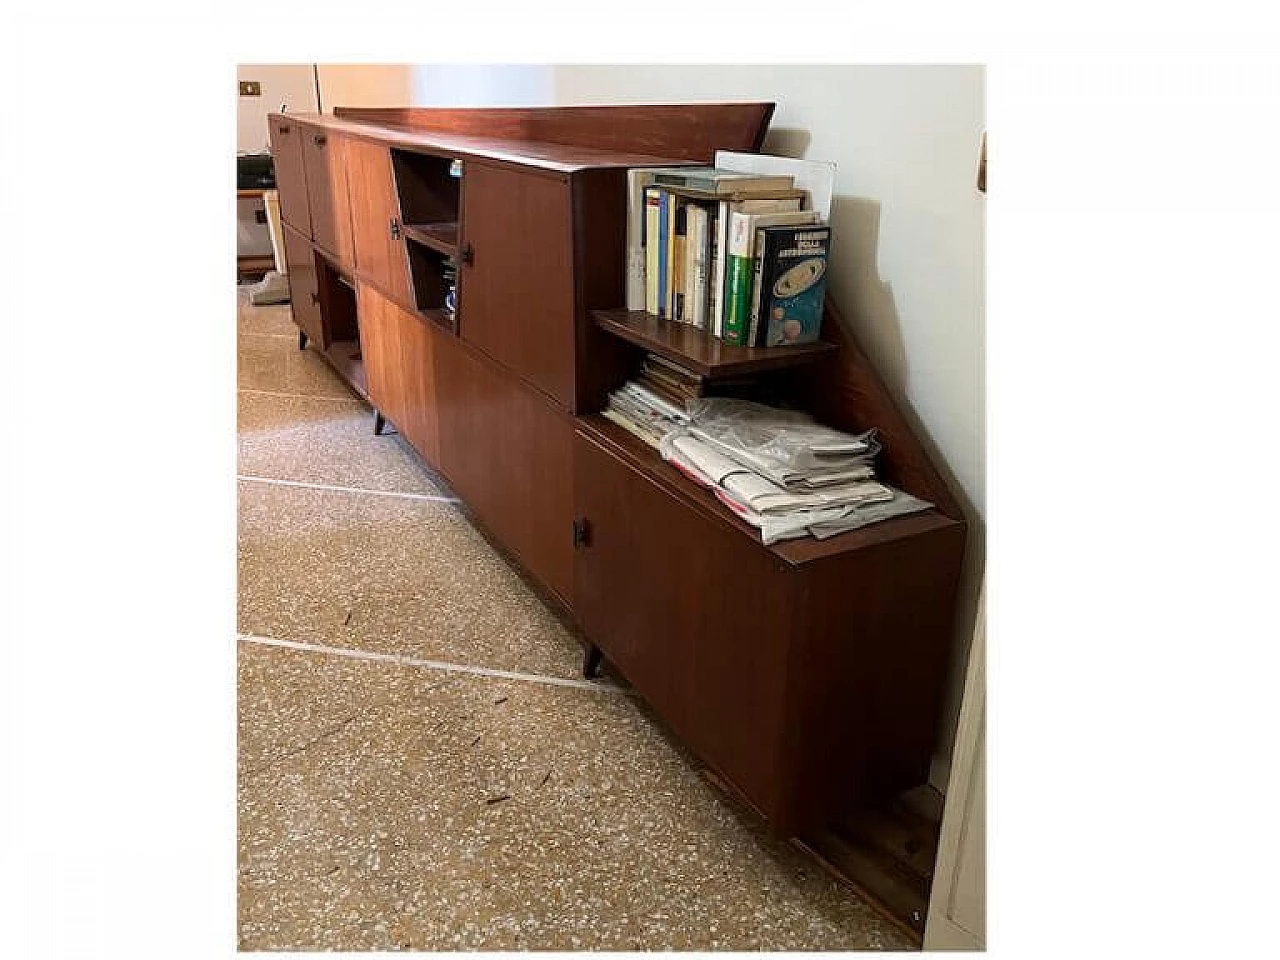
(780, 470)
(641, 411)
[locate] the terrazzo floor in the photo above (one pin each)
(421, 766)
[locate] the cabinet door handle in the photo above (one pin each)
(319, 139)
(468, 255)
(581, 534)
(315, 298)
(285, 128)
(395, 228)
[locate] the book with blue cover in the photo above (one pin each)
(791, 281)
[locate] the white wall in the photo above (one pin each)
(289, 85)
(908, 256)
(483, 85)
(365, 85)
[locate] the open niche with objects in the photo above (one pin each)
(430, 189)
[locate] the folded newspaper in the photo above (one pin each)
(781, 471)
(786, 446)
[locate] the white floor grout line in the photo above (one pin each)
(300, 396)
(408, 661)
(433, 498)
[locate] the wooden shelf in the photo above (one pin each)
(700, 353)
(440, 237)
(801, 550)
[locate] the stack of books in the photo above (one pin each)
(642, 412)
(662, 394)
(732, 253)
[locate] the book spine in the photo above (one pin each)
(652, 210)
(719, 255)
(664, 259)
(757, 269)
(679, 242)
(668, 283)
(695, 265)
(637, 181)
(706, 244)
(738, 282)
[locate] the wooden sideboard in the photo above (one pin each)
(807, 675)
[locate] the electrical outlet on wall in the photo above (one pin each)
(250, 88)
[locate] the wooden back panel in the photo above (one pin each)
(687, 131)
(846, 392)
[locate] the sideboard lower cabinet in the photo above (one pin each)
(304, 298)
(803, 673)
(695, 615)
(398, 349)
(508, 451)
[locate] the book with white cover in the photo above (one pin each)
(637, 179)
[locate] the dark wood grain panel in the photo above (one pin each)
(304, 291)
(291, 176)
(517, 285)
(325, 159)
(690, 131)
(676, 603)
(399, 359)
(866, 672)
(602, 362)
(507, 451)
(374, 206)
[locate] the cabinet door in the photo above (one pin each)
(325, 161)
(398, 349)
(507, 451)
(693, 613)
(304, 294)
(517, 288)
(291, 177)
(375, 219)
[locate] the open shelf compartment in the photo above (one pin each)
(699, 352)
(428, 193)
(430, 271)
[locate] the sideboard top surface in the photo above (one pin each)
(562, 140)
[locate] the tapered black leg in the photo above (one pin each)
(591, 662)
(302, 339)
(379, 423)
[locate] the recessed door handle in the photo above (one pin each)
(319, 139)
(468, 255)
(395, 229)
(315, 298)
(285, 128)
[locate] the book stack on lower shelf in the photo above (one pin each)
(659, 397)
